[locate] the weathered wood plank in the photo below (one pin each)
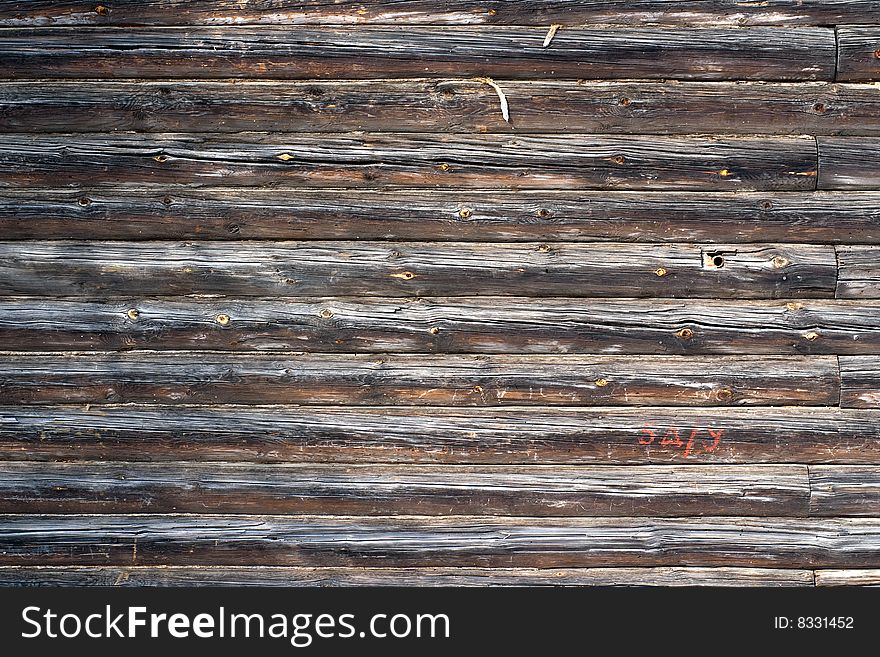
(293, 269)
(445, 490)
(849, 163)
(292, 52)
(710, 163)
(303, 576)
(450, 12)
(443, 325)
(447, 380)
(446, 106)
(442, 215)
(419, 541)
(310, 434)
(860, 381)
(857, 53)
(859, 272)
(844, 490)
(850, 577)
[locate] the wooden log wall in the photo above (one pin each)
(420, 293)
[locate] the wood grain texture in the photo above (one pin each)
(849, 163)
(442, 215)
(304, 576)
(712, 163)
(860, 381)
(859, 272)
(443, 325)
(849, 577)
(449, 12)
(416, 541)
(292, 52)
(310, 434)
(445, 490)
(447, 380)
(857, 53)
(460, 106)
(295, 269)
(844, 490)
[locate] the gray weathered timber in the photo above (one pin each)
(857, 53)
(314, 434)
(442, 215)
(844, 490)
(450, 12)
(573, 162)
(444, 490)
(447, 380)
(849, 162)
(295, 269)
(305, 576)
(443, 325)
(465, 105)
(860, 381)
(849, 577)
(293, 52)
(452, 541)
(859, 272)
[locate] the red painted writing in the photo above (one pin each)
(697, 441)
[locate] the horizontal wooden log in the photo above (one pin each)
(376, 160)
(291, 269)
(417, 541)
(292, 52)
(166, 576)
(444, 490)
(844, 490)
(445, 106)
(860, 381)
(849, 577)
(442, 215)
(857, 53)
(447, 380)
(443, 325)
(309, 434)
(849, 163)
(450, 12)
(859, 272)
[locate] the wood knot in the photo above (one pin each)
(661, 272)
(222, 319)
(724, 173)
(820, 108)
(443, 167)
(160, 158)
(167, 200)
(544, 213)
(779, 262)
(685, 333)
(766, 205)
(477, 389)
(545, 248)
(491, 12)
(624, 102)
(724, 395)
(101, 10)
(877, 53)
(793, 306)
(326, 313)
(434, 330)
(465, 213)
(284, 157)
(618, 159)
(133, 314)
(405, 275)
(84, 201)
(811, 336)
(601, 382)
